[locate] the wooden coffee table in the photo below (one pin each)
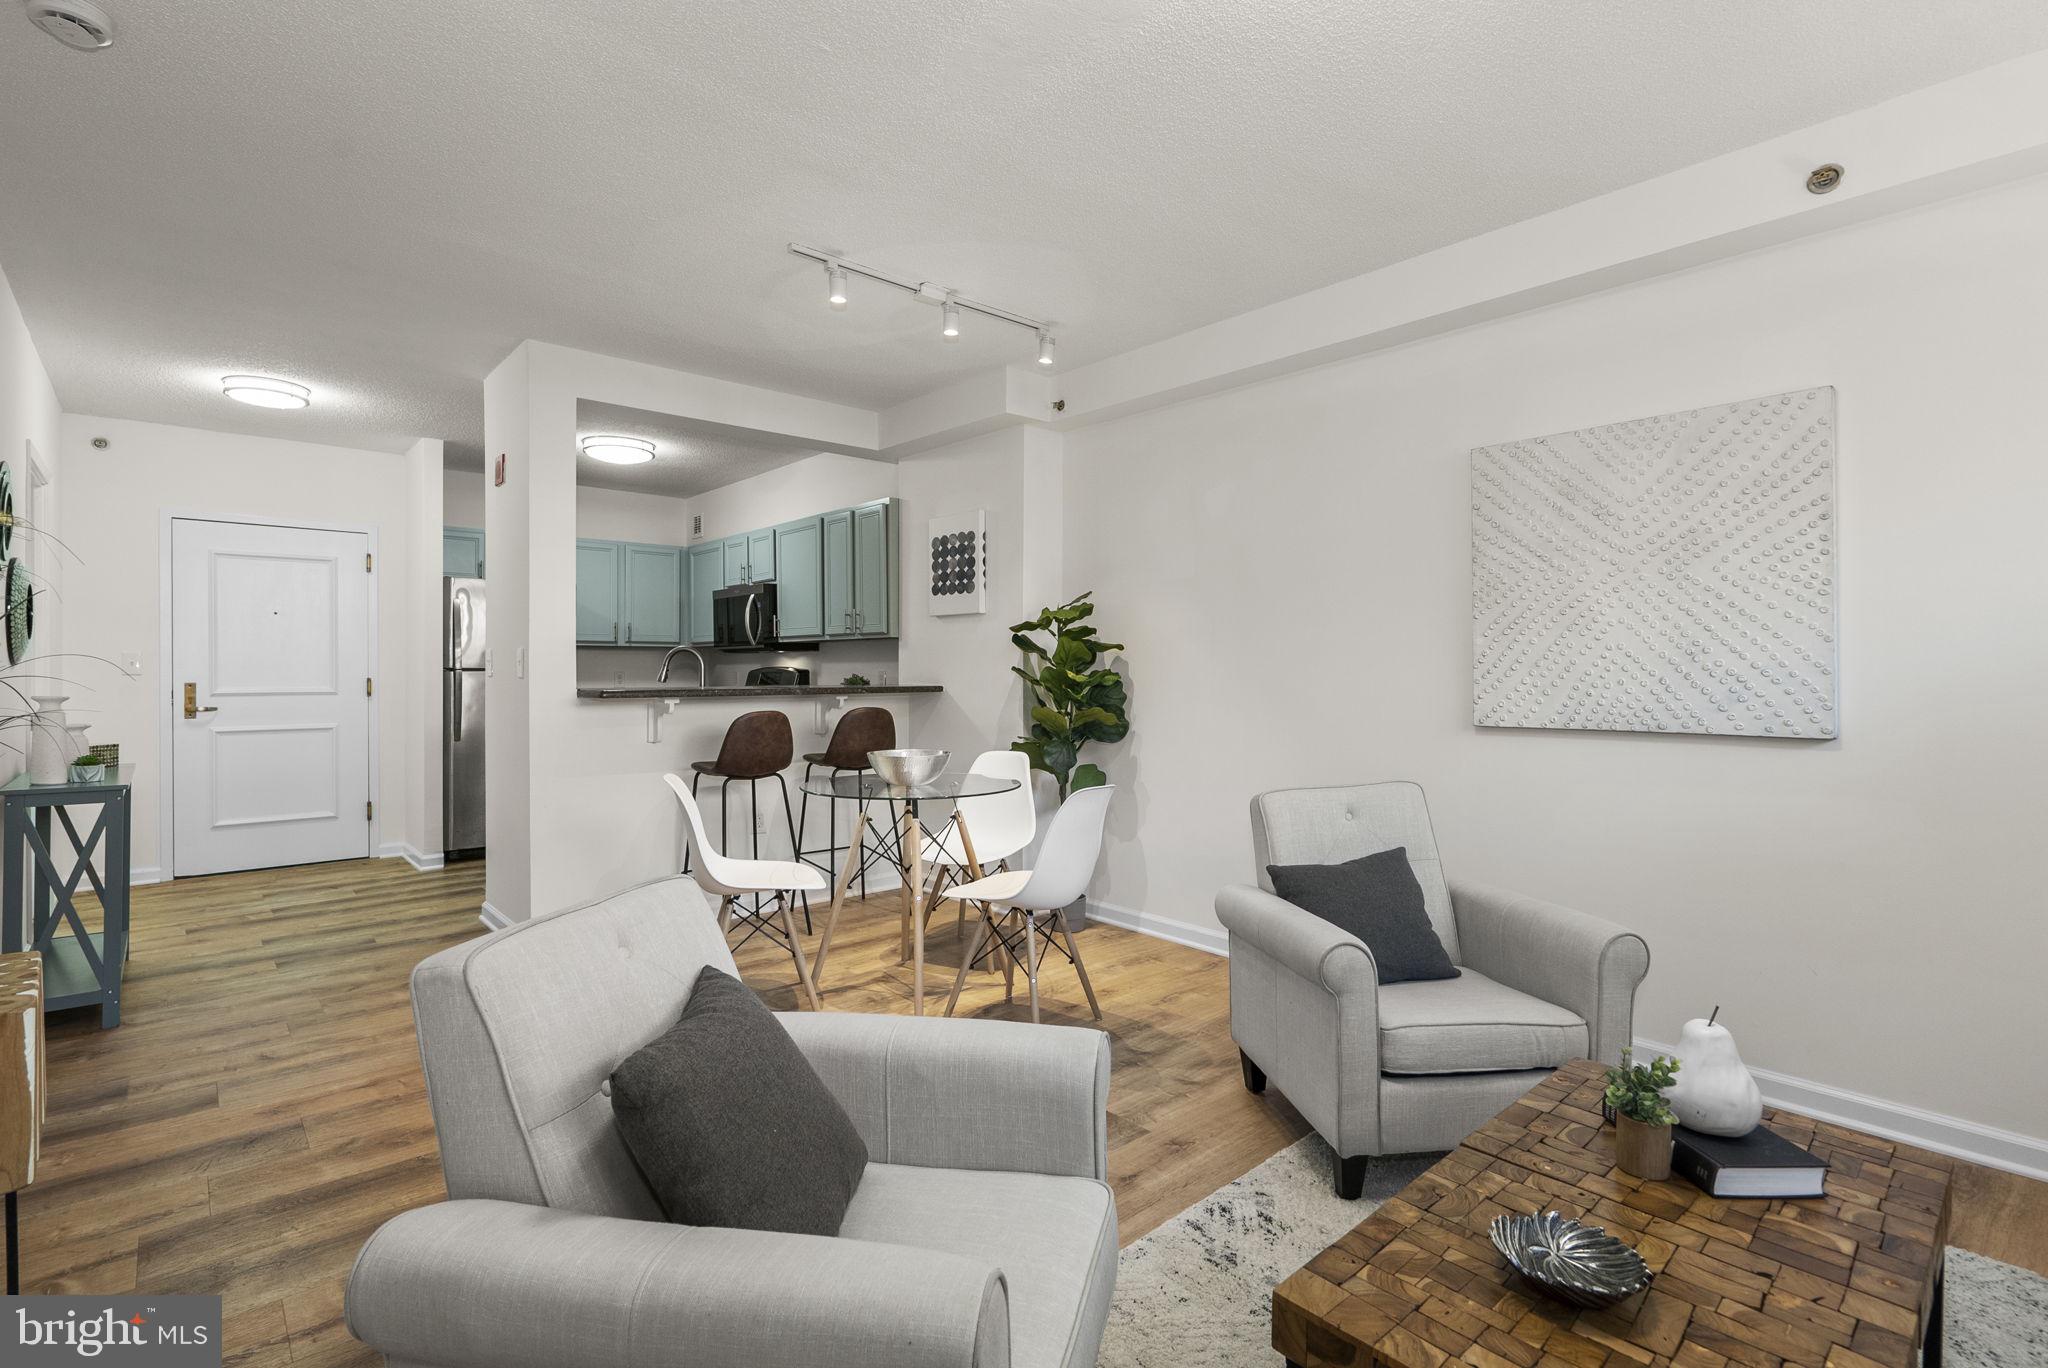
(1849, 1280)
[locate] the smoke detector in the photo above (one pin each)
(74, 23)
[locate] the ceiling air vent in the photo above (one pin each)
(73, 23)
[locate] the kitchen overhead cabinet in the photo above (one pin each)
(735, 561)
(598, 583)
(462, 552)
(761, 555)
(705, 577)
(651, 594)
(800, 579)
(860, 570)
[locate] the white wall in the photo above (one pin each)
(1289, 565)
(815, 484)
(1013, 475)
(462, 497)
(426, 488)
(114, 521)
(29, 418)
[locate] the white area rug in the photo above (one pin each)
(1197, 1292)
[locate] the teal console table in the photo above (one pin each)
(80, 968)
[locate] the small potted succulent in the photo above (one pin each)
(855, 681)
(88, 769)
(1642, 1118)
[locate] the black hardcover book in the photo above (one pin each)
(1759, 1164)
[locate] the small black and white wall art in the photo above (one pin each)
(959, 545)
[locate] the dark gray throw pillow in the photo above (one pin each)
(1377, 899)
(731, 1125)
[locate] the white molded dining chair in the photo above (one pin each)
(1012, 903)
(731, 879)
(1000, 825)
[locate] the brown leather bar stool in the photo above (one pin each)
(859, 731)
(758, 745)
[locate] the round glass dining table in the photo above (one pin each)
(910, 834)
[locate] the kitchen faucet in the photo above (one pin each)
(703, 674)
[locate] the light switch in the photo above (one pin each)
(519, 662)
(490, 663)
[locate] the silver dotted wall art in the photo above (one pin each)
(1672, 574)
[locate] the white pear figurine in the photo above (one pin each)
(1714, 1094)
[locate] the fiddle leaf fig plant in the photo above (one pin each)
(1074, 699)
(1637, 1090)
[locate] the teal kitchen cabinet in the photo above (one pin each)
(462, 552)
(874, 569)
(598, 586)
(837, 533)
(761, 554)
(651, 595)
(860, 570)
(799, 579)
(735, 560)
(705, 576)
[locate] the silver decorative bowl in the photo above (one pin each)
(908, 768)
(1581, 1264)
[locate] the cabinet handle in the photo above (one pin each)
(615, 632)
(629, 634)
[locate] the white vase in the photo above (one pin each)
(1714, 1094)
(47, 742)
(76, 744)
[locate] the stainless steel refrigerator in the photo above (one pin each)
(462, 717)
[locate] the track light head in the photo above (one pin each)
(949, 321)
(835, 285)
(1044, 347)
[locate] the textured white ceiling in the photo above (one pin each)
(379, 199)
(690, 457)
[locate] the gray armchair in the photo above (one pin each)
(983, 1233)
(1410, 1066)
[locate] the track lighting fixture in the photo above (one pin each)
(618, 450)
(949, 301)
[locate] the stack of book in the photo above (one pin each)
(1759, 1164)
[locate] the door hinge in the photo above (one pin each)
(366, 562)
(369, 811)
(368, 691)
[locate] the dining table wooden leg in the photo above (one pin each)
(796, 952)
(846, 873)
(913, 885)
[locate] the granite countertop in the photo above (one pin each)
(645, 691)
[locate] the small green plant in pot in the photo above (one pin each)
(1074, 700)
(1642, 1118)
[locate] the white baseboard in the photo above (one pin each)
(493, 919)
(149, 874)
(419, 861)
(1986, 1145)
(1213, 939)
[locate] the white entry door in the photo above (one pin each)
(270, 643)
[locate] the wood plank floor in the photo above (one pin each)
(261, 1110)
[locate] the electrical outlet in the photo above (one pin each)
(760, 823)
(618, 678)
(131, 661)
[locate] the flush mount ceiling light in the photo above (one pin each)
(73, 23)
(949, 301)
(618, 450)
(265, 392)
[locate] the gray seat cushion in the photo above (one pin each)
(1471, 1024)
(1053, 1238)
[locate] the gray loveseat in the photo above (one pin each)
(1408, 1067)
(983, 1233)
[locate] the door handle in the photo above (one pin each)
(192, 708)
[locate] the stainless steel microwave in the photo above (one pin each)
(743, 617)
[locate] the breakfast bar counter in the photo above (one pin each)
(643, 692)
